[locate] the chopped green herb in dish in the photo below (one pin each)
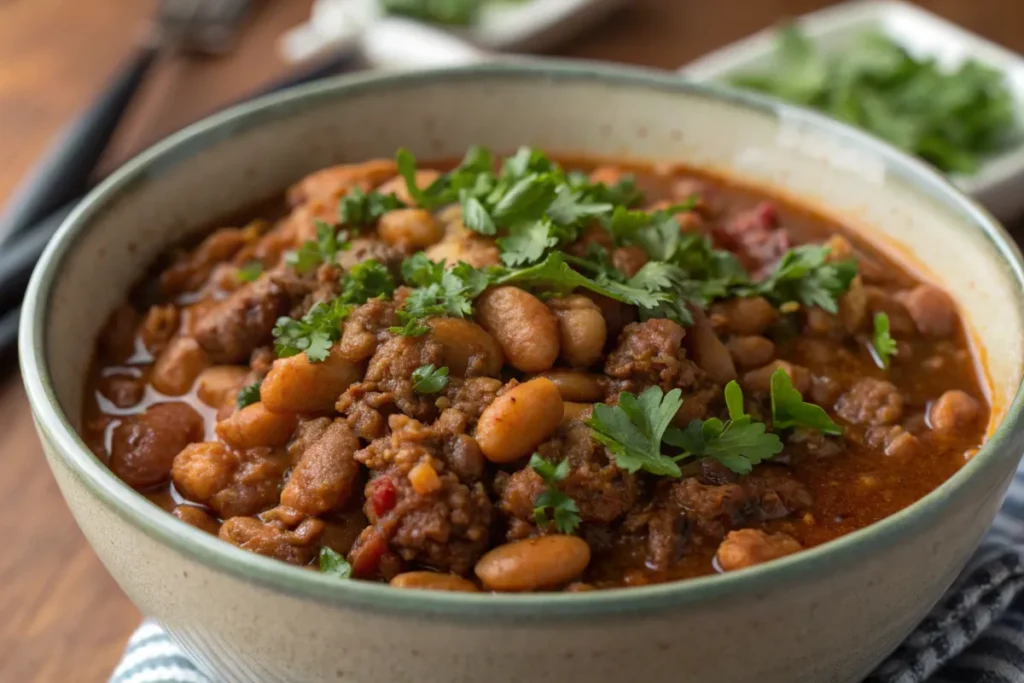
(952, 118)
(456, 12)
(427, 379)
(553, 504)
(882, 343)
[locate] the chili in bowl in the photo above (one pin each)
(634, 381)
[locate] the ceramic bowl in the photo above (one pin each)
(827, 614)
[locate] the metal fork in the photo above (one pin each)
(205, 27)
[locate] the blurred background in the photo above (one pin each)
(64, 618)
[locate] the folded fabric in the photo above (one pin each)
(974, 635)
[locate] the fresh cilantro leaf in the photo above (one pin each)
(410, 327)
(525, 161)
(555, 276)
(571, 207)
(427, 379)
(804, 274)
(313, 333)
(367, 280)
(441, 292)
(476, 218)
(738, 443)
(407, 169)
(527, 200)
(334, 564)
(250, 272)
(951, 117)
(790, 410)
(633, 430)
(562, 506)
(882, 343)
(248, 395)
(623, 193)
(526, 243)
(420, 271)
(329, 241)
(359, 209)
(475, 174)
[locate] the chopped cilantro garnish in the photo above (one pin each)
(250, 272)
(359, 209)
(951, 117)
(428, 379)
(313, 333)
(440, 291)
(739, 443)
(334, 564)
(248, 395)
(554, 276)
(882, 343)
(790, 410)
(563, 508)
(804, 274)
(633, 430)
(367, 280)
(329, 241)
(476, 218)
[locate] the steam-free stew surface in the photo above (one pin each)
(634, 375)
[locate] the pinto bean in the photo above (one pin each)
(953, 411)
(255, 426)
(329, 183)
(326, 474)
(468, 348)
(433, 581)
(931, 309)
(519, 420)
(534, 564)
(747, 547)
(294, 385)
(197, 517)
(761, 379)
(523, 326)
(219, 384)
(751, 315)
(143, 448)
(397, 186)
(751, 351)
(576, 386)
(581, 330)
(707, 350)
(477, 251)
(178, 366)
(576, 411)
(410, 229)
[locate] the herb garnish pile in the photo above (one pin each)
(534, 210)
(950, 118)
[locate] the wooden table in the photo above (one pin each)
(64, 619)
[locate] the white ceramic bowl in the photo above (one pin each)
(827, 614)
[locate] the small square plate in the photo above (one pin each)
(999, 183)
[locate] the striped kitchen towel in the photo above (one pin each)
(974, 635)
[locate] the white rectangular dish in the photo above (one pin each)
(389, 41)
(999, 183)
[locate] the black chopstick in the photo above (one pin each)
(19, 256)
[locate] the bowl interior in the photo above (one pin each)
(224, 164)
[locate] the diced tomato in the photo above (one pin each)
(384, 496)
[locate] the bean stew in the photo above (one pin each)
(518, 375)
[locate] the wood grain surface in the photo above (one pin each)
(64, 619)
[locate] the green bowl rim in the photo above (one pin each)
(1000, 451)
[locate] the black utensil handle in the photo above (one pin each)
(9, 338)
(18, 257)
(63, 173)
